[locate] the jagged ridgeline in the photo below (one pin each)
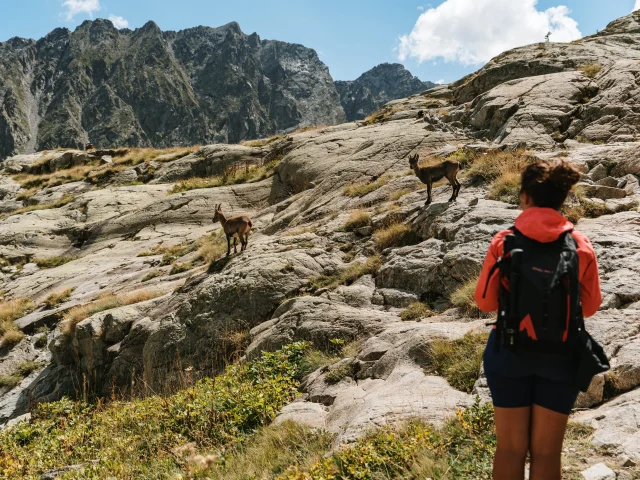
(153, 88)
(147, 87)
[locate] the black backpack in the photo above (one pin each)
(539, 304)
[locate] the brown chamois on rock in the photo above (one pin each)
(428, 175)
(236, 227)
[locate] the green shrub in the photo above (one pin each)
(416, 311)
(459, 360)
(138, 439)
(463, 448)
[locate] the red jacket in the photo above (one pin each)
(543, 225)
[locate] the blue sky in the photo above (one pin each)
(442, 40)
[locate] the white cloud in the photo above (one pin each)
(440, 82)
(119, 22)
(74, 7)
(637, 6)
(474, 31)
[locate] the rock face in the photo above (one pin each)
(386, 82)
(151, 88)
(309, 273)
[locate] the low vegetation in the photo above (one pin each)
(231, 176)
(459, 360)
(156, 272)
(339, 372)
(362, 189)
(462, 448)
(591, 70)
(57, 298)
(416, 311)
(23, 370)
(148, 438)
(104, 302)
(10, 311)
(579, 205)
(262, 142)
(348, 275)
(357, 219)
(502, 170)
(65, 200)
(393, 236)
(52, 262)
(379, 116)
(464, 298)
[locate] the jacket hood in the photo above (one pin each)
(542, 224)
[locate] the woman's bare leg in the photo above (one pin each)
(547, 435)
(513, 432)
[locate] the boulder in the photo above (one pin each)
(599, 472)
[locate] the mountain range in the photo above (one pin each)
(146, 87)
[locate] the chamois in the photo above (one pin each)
(428, 175)
(236, 227)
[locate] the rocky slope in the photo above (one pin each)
(343, 245)
(374, 88)
(152, 88)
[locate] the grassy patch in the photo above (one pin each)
(52, 262)
(208, 249)
(492, 166)
(464, 298)
(395, 196)
(262, 142)
(506, 188)
(349, 275)
(57, 298)
(10, 381)
(462, 448)
(362, 189)
(357, 219)
(231, 176)
(139, 438)
(393, 236)
(272, 450)
(156, 272)
(65, 200)
(340, 372)
(580, 206)
(416, 311)
(459, 360)
(10, 311)
(591, 70)
(104, 302)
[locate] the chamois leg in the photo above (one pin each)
(429, 185)
(245, 241)
(452, 181)
(459, 186)
(228, 244)
(235, 244)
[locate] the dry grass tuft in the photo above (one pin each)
(464, 298)
(349, 275)
(57, 298)
(416, 311)
(459, 360)
(66, 199)
(262, 142)
(52, 262)
(492, 166)
(156, 272)
(393, 236)
(10, 311)
(506, 188)
(107, 301)
(362, 189)
(357, 219)
(591, 70)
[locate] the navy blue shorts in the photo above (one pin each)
(515, 392)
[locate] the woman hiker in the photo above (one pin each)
(542, 276)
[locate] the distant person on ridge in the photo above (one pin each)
(542, 277)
